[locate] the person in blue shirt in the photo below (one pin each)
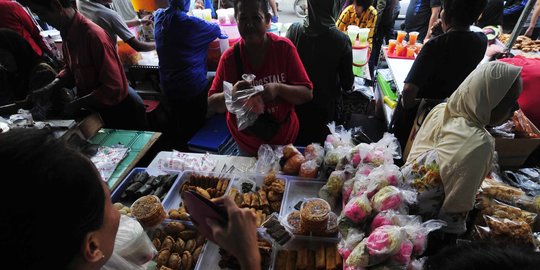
(182, 45)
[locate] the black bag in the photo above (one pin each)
(266, 126)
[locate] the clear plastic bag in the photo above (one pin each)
(523, 126)
(132, 247)
(347, 244)
(266, 159)
(385, 240)
(499, 209)
(179, 161)
(315, 152)
(392, 198)
(357, 209)
(339, 136)
(506, 230)
(386, 217)
(418, 232)
(246, 104)
(309, 169)
(331, 190)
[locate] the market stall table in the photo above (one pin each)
(139, 143)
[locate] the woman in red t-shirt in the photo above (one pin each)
(277, 67)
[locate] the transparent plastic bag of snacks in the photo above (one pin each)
(378, 247)
(246, 104)
(335, 155)
(309, 169)
(178, 161)
(331, 191)
(418, 233)
(132, 247)
(393, 198)
(347, 244)
(523, 126)
(506, 230)
(501, 191)
(315, 152)
(499, 209)
(386, 217)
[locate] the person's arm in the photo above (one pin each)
(137, 22)
(294, 94)
(239, 236)
(141, 46)
(408, 96)
(534, 19)
(343, 20)
(434, 16)
(216, 98)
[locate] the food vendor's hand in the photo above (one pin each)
(494, 49)
(529, 31)
(240, 236)
(240, 85)
(271, 91)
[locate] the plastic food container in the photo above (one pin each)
(149, 211)
(314, 214)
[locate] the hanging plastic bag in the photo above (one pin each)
(266, 159)
(347, 244)
(245, 103)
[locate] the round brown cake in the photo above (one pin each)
(149, 211)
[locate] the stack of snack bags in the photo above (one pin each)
(506, 214)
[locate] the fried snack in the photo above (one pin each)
(179, 246)
(501, 210)
(291, 260)
(159, 234)
(195, 255)
(149, 211)
(246, 202)
(509, 231)
(320, 258)
(165, 268)
(339, 260)
(174, 214)
(311, 259)
(289, 151)
(224, 186)
(259, 217)
(281, 260)
(167, 243)
(174, 228)
(278, 186)
(275, 206)
(157, 243)
(330, 253)
(292, 165)
(187, 260)
(254, 200)
(263, 200)
(233, 193)
(302, 259)
(190, 245)
(188, 234)
(294, 221)
(163, 257)
(219, 184)
(274, 196)
(269, 179)
(174, 261)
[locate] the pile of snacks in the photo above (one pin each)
(289, 160)
(206, 186)
(143, 184)
(264, 200)
(526, 44)
(324, 257)
(179, 246)
(124, 210)
(265, 249)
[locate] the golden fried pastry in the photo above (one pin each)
(174, 228)
(163, 257)
(174, 261)
(167, 243)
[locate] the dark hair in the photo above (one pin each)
(263, 6)
(484, 255)
(46, 3)
(462, 12)
(52, 198)
(363, 3)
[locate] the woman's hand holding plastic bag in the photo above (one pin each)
(244, 100)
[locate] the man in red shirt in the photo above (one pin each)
(277, 67)
(92, 65)
(14, 17)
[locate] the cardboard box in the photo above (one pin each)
(514, 152)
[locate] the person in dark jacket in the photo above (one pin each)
(327, 57)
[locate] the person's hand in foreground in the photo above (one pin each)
(239, 237)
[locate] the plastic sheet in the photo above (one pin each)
(246, 104)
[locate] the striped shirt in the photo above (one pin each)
(367, 19)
